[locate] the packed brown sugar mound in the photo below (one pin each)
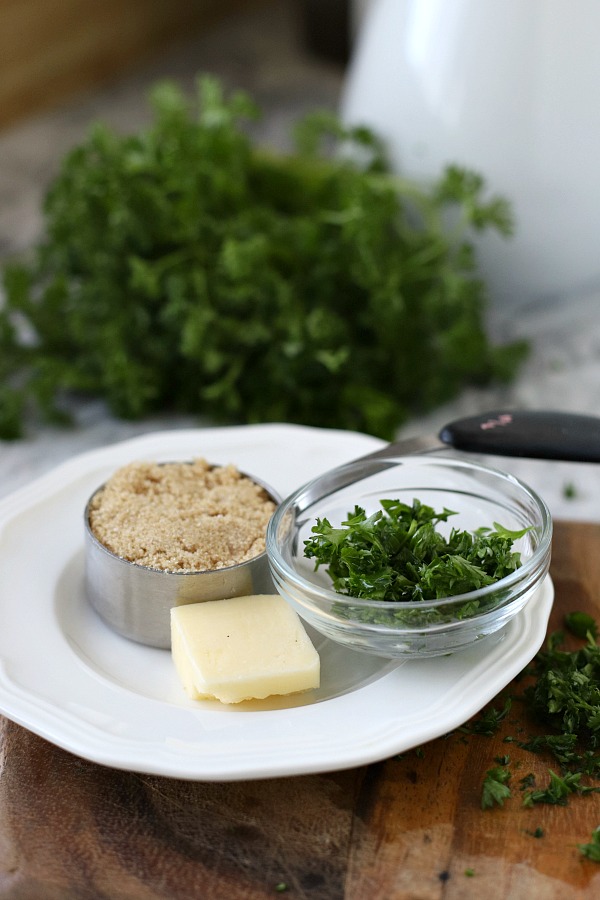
(181, 517)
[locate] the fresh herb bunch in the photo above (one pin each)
(185, 269)
(397, 553)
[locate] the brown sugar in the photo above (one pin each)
(181, 517)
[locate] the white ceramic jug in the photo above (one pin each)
(510, 88)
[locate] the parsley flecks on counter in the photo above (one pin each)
(398, 554)
(564, 697)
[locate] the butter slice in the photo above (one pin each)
(242, 648)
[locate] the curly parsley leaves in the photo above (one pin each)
(564, 696)
(397, 553)
(581, 625)
(591, 850)
(186, 268)
(495, 787)
(489, 721)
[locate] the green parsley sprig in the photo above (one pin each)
(398, 554)
(495, 787)
(563, 696)
(591, 849)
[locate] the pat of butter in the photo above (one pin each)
(242, 648)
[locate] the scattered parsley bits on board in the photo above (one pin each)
(562, 694)
(581, 625)
(495, 787)
(185, 268)
(489, 721)
(591, 850)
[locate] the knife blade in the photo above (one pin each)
(532, 434)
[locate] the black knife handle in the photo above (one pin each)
(536, 434)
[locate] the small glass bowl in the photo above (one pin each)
(480, 496)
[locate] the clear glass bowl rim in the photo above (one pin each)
(526, 572)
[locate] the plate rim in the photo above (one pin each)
(27, 709)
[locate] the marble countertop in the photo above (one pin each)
(262, 51)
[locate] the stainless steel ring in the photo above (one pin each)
(136, 600)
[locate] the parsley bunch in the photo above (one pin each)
(398, 554)
(184, 268)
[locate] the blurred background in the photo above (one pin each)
(67, 63)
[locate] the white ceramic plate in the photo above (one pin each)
(69, 678)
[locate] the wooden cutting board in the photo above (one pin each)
(409, 827)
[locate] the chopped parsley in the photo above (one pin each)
(489, 721)
(591, 850)
(398, 554)
(557, 791)
(581, 624)
(564, 696)
(495, 787)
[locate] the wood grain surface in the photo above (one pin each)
(409, 827)
(51, 50)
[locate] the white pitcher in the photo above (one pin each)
(510, 88)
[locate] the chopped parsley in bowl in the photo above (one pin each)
(410, 556)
